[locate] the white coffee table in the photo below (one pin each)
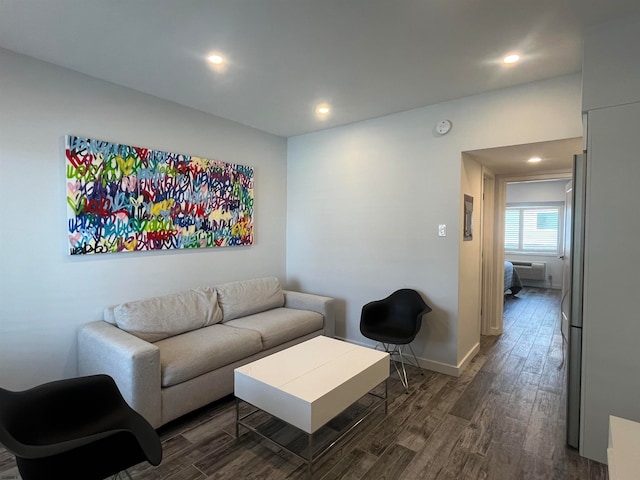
(309, 384)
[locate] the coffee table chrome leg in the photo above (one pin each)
(310, 454)
(237, 418)
(386, 395)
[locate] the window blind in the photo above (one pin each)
(532, 229)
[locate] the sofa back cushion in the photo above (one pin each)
(239, 299)
(156, 318)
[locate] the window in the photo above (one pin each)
(533, 228)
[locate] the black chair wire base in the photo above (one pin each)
(396, 351)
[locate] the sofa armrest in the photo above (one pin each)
(315, 303)
(133, 363)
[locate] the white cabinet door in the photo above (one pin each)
(611, 314)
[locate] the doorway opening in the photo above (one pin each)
(504, 166)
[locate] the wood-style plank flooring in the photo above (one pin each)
(503, 418)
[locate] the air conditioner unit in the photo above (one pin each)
(530, 270)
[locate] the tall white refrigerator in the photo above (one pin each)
(572, 299)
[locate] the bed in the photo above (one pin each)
(512, 283)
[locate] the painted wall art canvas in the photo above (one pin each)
(122, 199)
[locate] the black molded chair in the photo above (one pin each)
(80, 429)
(394, 322)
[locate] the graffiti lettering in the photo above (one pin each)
(124, 198)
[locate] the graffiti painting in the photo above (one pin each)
(122, 198)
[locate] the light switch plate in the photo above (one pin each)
(442, 230)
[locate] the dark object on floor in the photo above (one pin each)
(80, 429)
(512, 281)
(394, 322)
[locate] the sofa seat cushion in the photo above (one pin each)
(194, 353)
(280, 325)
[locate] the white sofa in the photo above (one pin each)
(170, 355)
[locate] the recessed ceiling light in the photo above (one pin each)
(323, 109)
(216, 59)
(534, 160)
(511, 58)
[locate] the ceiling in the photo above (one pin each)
(556, 155)
(366, 58)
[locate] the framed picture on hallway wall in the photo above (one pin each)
(468, 218)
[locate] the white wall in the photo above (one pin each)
(364, 202)
(537, 191)
(45, 293)
(532, 192)
(611, 325)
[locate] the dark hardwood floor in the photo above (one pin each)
(503, 418)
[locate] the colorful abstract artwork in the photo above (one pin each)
(124, 199)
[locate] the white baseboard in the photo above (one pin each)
(468, 357)
(440, 367)
(445, 368)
